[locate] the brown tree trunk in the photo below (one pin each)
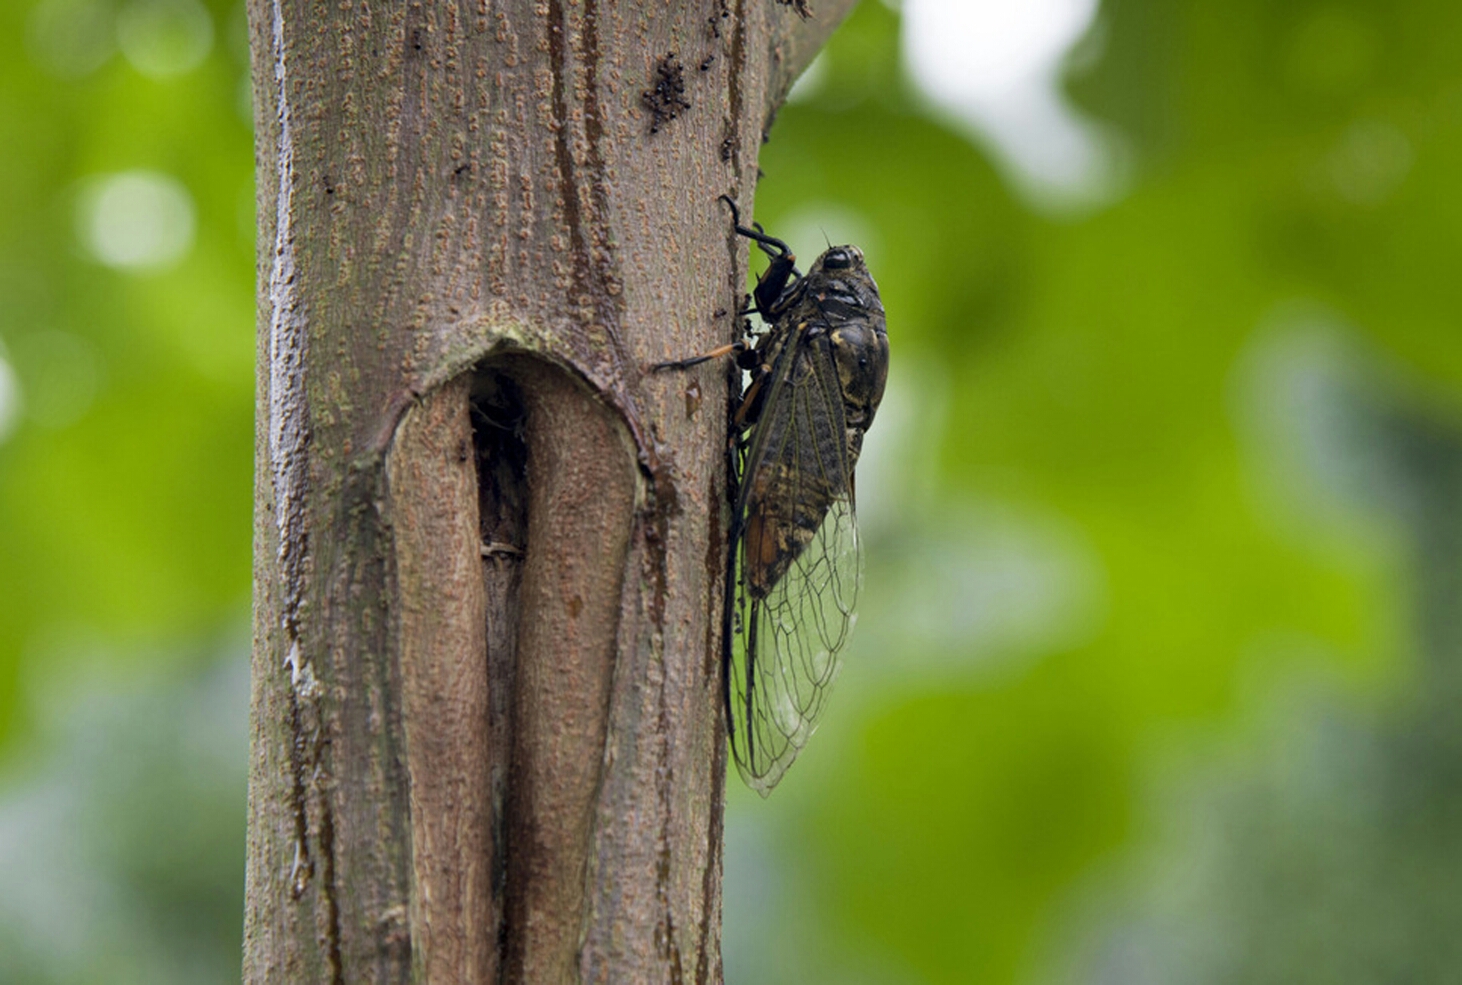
(487, 743)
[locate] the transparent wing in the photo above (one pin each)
(797, 567)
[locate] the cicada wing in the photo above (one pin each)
(797, 569)
(789, 651)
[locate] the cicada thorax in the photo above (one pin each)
(841, 296)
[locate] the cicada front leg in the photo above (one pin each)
(772, 285)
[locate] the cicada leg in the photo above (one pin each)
(749, 411)
(730, 349)
(783, 269)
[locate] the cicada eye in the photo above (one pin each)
(837, 258)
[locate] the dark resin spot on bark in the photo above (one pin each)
(665, 100)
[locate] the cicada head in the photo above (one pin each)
(838, 259)
(841, 288)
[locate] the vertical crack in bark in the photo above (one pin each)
(708, 951)
(665, 779)
(708, 963)
(715, 559)
(333, 962)
(737, 100)
(733, 244)
(502, 480)
(601, 256)
(300, 868)
(598, 291)
(590, 277)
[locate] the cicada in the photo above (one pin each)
(817, 373)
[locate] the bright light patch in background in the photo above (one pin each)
(122, 852)
(71, 38)
(810, 82)
(995, 68)
(9, 398)
(817, 225)
(136, 220)
(165, 38)
(996, 584)
(978, 582)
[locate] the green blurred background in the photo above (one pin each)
(1158, 656)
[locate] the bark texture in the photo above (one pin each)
(431, 484)
(487, 743)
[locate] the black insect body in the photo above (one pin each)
(817, 376)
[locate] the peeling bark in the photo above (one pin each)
(487, 743)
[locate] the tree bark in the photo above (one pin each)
(487, 743)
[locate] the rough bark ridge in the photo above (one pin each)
(486, 734)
